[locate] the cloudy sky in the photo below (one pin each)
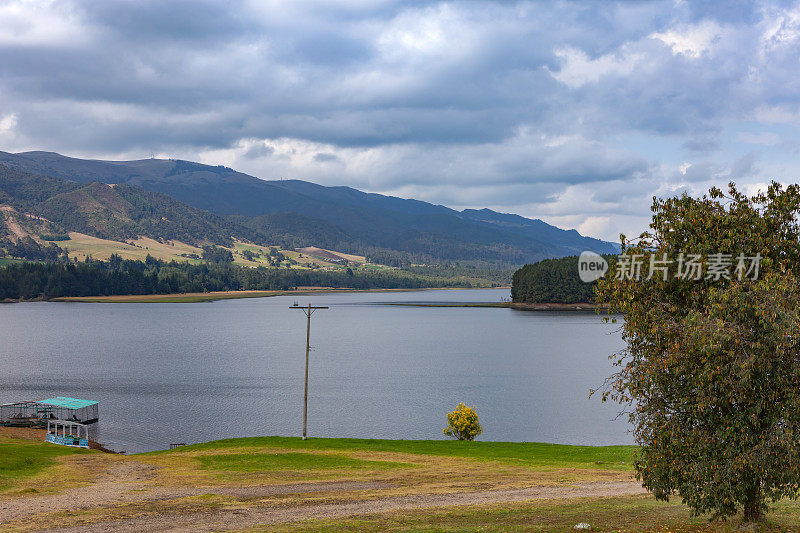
(576, 113)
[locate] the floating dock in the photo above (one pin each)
(37, 413)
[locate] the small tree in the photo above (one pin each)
(712, 366)
(463, 423)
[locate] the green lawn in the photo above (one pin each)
(259, 462)
(529, 454)
(23, 459)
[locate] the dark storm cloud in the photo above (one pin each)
(335, 80)
(406, 94)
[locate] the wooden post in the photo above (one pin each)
(305, 388)
(308, 311)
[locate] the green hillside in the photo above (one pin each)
(117, 212)
(297, 213)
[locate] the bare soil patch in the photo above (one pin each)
(233, 516)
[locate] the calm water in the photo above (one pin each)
(168, 373)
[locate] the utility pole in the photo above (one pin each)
(308, 311)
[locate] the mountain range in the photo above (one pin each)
(197, 203)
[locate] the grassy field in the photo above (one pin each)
(287, 484)
(81, 246)
(422, 466)
(532, 455)
(294, 461)
(22, 459)
(632, 514)
(302, 258)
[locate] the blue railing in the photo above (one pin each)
(67, 440)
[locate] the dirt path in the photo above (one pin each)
(112, 487)
(125, 482)
(222, 519)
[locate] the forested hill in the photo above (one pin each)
(552, 281)
(388, 229)
(116, 212)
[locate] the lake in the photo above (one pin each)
(192, 372)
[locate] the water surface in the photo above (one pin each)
(192, 372)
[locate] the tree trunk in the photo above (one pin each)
(752, 505)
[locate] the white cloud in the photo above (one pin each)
(751, 189)
(781, 28)
(691, 40)
(577, 69)
(8, 123)
(43, 23)
(595, 226)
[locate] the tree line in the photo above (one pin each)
(117, 276)
(27, 248)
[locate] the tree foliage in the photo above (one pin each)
(217, 254)
(463, 423)
(27, 248)
(28, 281)
(712, 367)
(552, 281)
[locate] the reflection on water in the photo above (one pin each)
(194, 372)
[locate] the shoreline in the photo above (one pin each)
(195, 297)
(200, 297)
(506, 305)
(584, 306)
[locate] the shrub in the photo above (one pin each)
(463, 423)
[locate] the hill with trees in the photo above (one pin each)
(300, 213)
(552, 281)
(117, 212)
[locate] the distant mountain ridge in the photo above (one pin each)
(116, 212)
(306, 214)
